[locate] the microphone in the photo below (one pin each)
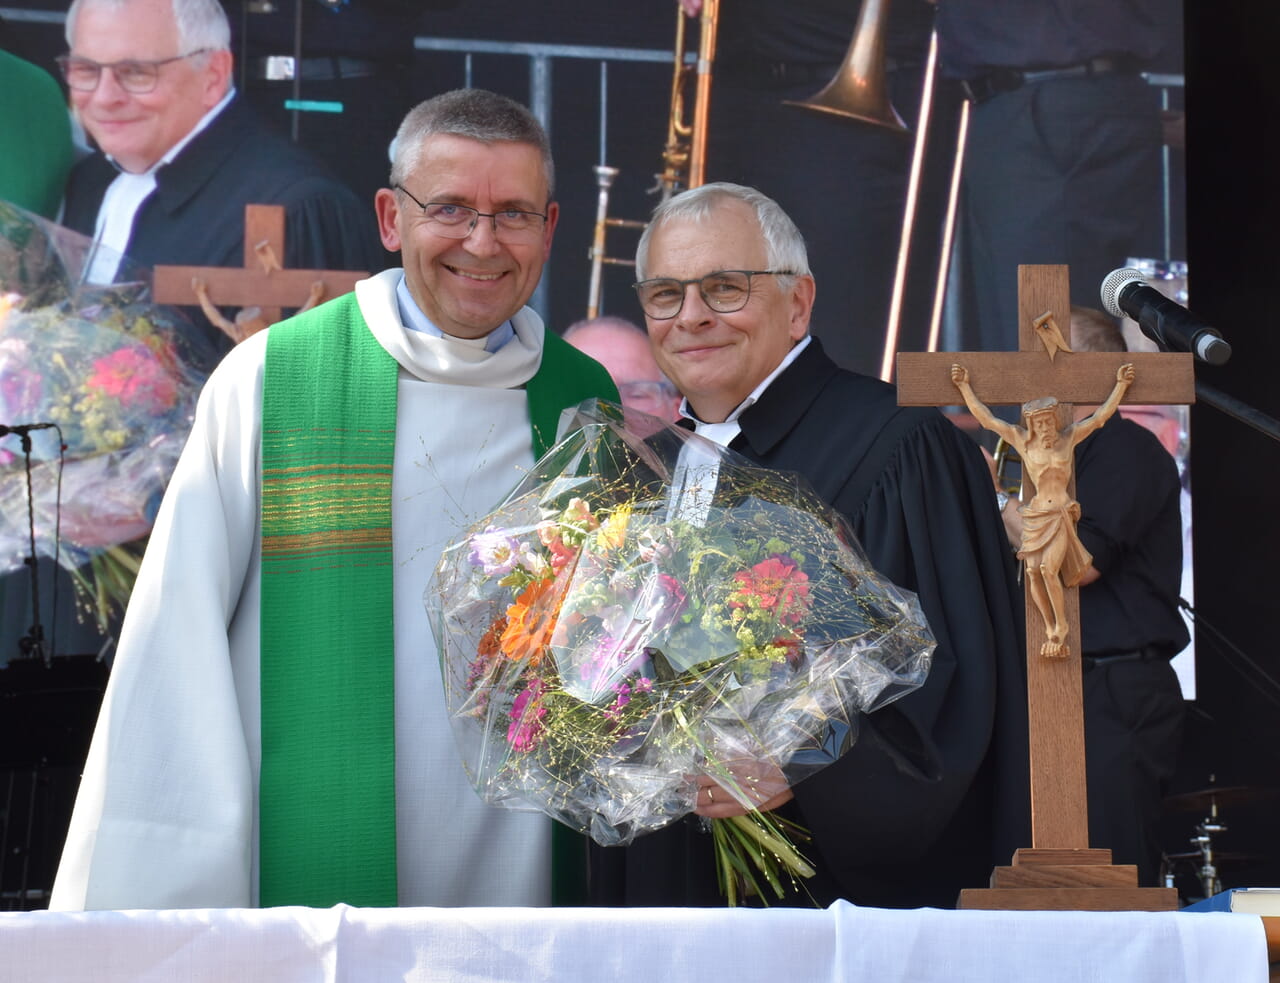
(1167, 323)
(22, 429)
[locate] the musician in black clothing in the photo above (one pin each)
(1063, 158)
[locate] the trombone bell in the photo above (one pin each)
(859, 90)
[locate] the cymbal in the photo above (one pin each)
(1219, 857)
(1222, 795)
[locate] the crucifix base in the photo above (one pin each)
(1067, 880)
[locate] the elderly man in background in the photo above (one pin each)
(622, 347)
(180, 154)
(274, 730)
(934, 791)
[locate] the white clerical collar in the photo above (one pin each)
(724, 432)
(124, 196)
(415, 320)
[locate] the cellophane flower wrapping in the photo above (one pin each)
(117, 374)
(648, 606)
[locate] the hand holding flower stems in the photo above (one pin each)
(763, 783)
(597, 653)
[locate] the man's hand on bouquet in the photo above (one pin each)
(760, 782)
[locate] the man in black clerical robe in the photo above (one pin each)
(934, 792)
(170, 185)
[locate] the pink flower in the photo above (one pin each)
(561, 553)
(619, 702)
(526, 714)
(610, 658)
(134, 377)
(672, 600)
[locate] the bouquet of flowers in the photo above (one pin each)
(115, 376)
(647, 607)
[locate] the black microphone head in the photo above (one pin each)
(1113, 283)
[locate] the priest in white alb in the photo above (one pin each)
(274, 731)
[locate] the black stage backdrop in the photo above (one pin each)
(1232, 98)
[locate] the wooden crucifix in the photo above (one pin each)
(1059, 871)
(261, 288)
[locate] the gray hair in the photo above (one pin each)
(784, 245)
(474, 113)
(201, 23)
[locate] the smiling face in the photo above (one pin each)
(716, 360)
(468, 287)
(137, 129)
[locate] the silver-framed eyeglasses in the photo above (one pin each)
(652, 392)
(134, 76)
(454, 221)
(724, 291)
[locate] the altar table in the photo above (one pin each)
(841, 944)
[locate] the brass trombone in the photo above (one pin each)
(598, 255)
(684, 155)
(859, 91)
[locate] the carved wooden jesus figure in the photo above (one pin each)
(1051, 551)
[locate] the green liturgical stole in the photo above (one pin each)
(326, 812)
(327, 788)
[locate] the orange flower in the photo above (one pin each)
(490, 642)
(531, 621)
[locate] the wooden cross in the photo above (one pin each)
(1059, 871)
(261, 284)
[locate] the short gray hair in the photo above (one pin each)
(474, 113)
(784, 245)
(201, 23)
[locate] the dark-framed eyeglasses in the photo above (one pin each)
(724, 291)
(454, 221)
(132, 75)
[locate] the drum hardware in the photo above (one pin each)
(1227, 858)
(1204, 856)
(1224, 795)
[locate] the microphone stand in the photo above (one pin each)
(32, 644)
(1238, 410)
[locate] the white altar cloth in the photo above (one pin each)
(842, 944)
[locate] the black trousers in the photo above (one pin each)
(1133, 717)
(1060, 171)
